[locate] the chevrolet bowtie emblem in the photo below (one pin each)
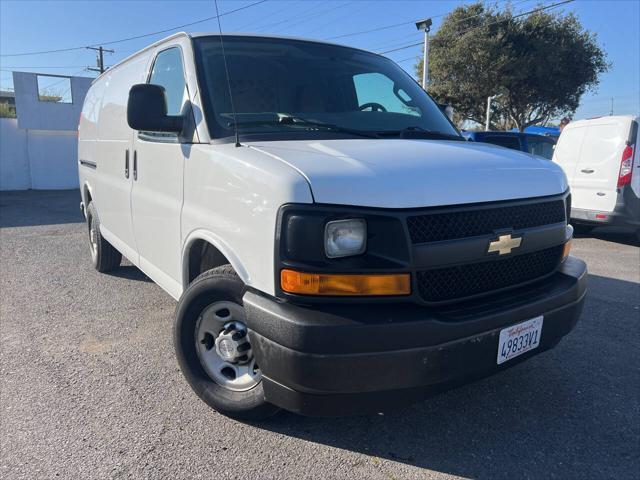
(504, 244)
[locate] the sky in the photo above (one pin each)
(34, 26)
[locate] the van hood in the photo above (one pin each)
(402, 173)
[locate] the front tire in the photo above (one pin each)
(224, 375)
(103, 256)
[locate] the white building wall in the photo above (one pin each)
(14, 161)
(36, 115)
(53, 159)
(39, 150)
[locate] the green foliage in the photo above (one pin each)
(539, 65)
(7, 111)
(49, 98)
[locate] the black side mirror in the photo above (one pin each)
(446, 109)
(147, 110)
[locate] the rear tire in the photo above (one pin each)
(103, 256)
(241, 395)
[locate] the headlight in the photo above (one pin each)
(343, 238)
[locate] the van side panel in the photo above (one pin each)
(228, 200)
(87, 138)
(112, 188)
(568, 148)
(596, 176)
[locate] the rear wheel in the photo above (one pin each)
(213, 348)
(103, 256)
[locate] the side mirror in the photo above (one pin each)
(446, 109)
(147, 110)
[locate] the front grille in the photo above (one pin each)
(461, 222)
(444, 284)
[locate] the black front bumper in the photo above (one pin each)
(349, 358)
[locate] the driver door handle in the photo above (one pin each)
(135, 165)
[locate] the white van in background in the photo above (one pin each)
(600, 158)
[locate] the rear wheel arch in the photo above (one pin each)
(87, 195)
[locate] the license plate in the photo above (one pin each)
(518, 339)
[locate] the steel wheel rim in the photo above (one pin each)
(236, 377)
(93, 237)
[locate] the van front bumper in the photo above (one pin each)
(358, 358)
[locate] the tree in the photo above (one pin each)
(7, 111)
(539, 65)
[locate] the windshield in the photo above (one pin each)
(295, 88)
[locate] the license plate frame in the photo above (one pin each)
(520, 338)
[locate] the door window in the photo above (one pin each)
(168, 72)
(503, 141)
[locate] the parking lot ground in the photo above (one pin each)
(90, 387)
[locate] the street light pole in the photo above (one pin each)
(425, 25)
(425, 61)
(488, 117)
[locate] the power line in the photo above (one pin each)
(261, 19)
(99, 59)
(386, 27)
(292, 17)
(392, 43)
(411, 22)
(324, 24)
(43, 67)
(317, 14)
(166, 30)
(134, 37)
(485, 25)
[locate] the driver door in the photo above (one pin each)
(157, 194)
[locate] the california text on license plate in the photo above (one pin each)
(518, 339)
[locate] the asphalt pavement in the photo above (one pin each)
(89, 387)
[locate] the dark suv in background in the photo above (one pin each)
(539, 145)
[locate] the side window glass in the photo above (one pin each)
(503, 141)
(376, 88)
(167, 72)
(540, 147)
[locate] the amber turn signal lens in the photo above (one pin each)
(345, 285)
(566, 249)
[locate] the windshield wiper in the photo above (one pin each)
(419, 132)
(299, 121)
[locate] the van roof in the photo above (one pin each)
(217, 34)
(604, 120)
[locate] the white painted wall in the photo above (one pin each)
(39, 150)
(53, 159)
(14, 163)
(36, 115)
(37, 159)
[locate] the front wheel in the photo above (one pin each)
(213, 349)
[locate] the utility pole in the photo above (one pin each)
(487, 122)
(425, 25)
(99, 59)
(611, 112)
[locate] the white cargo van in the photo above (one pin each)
(600, 158)
(334, 243)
